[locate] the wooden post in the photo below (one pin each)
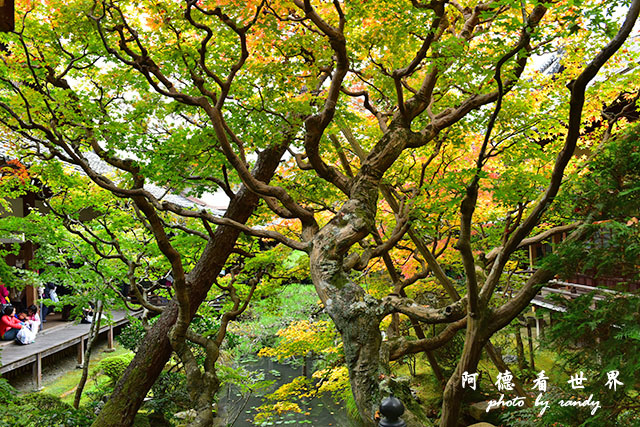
(26, 251)
(530, 339)
(32, 295)
(80, 353)
(110, 347)
(37, 372)
(7, 16)
(42, 319)
(532, 255)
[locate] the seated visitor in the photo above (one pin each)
(22, 316)
(9, 325)
(34, 317)
(87, 315)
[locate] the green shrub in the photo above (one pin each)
(98, 395)
(40, 409)
(7, 392)
(45, 402)
(114, 366)
(170, 394)
(132, 335)
(141, 421)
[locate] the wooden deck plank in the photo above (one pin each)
(13, 355)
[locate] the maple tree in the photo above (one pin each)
(386, 136)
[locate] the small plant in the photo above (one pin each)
(113, 367)
(170, 394)
(132, 335)
(8, 394)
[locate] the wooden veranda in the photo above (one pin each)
(51, 341)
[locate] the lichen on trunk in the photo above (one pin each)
(356, 314)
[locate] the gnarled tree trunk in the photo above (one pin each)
(354, 313)
(471, 353)
(155, 350)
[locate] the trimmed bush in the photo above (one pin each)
(114, 366)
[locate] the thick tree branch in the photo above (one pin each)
(317, 123)
(401, 347)
(410, 308)
(468, 204)
(491, 256)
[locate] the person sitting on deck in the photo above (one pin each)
(34, 318)
(25, 320)
(22, 316)
(87, 315)
(9, 325)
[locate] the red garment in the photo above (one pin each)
(4, 293)
(8, 322)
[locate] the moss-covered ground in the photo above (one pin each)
(65, 385)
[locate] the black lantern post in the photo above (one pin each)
(391, 409)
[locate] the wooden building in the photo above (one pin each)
(21, 207)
